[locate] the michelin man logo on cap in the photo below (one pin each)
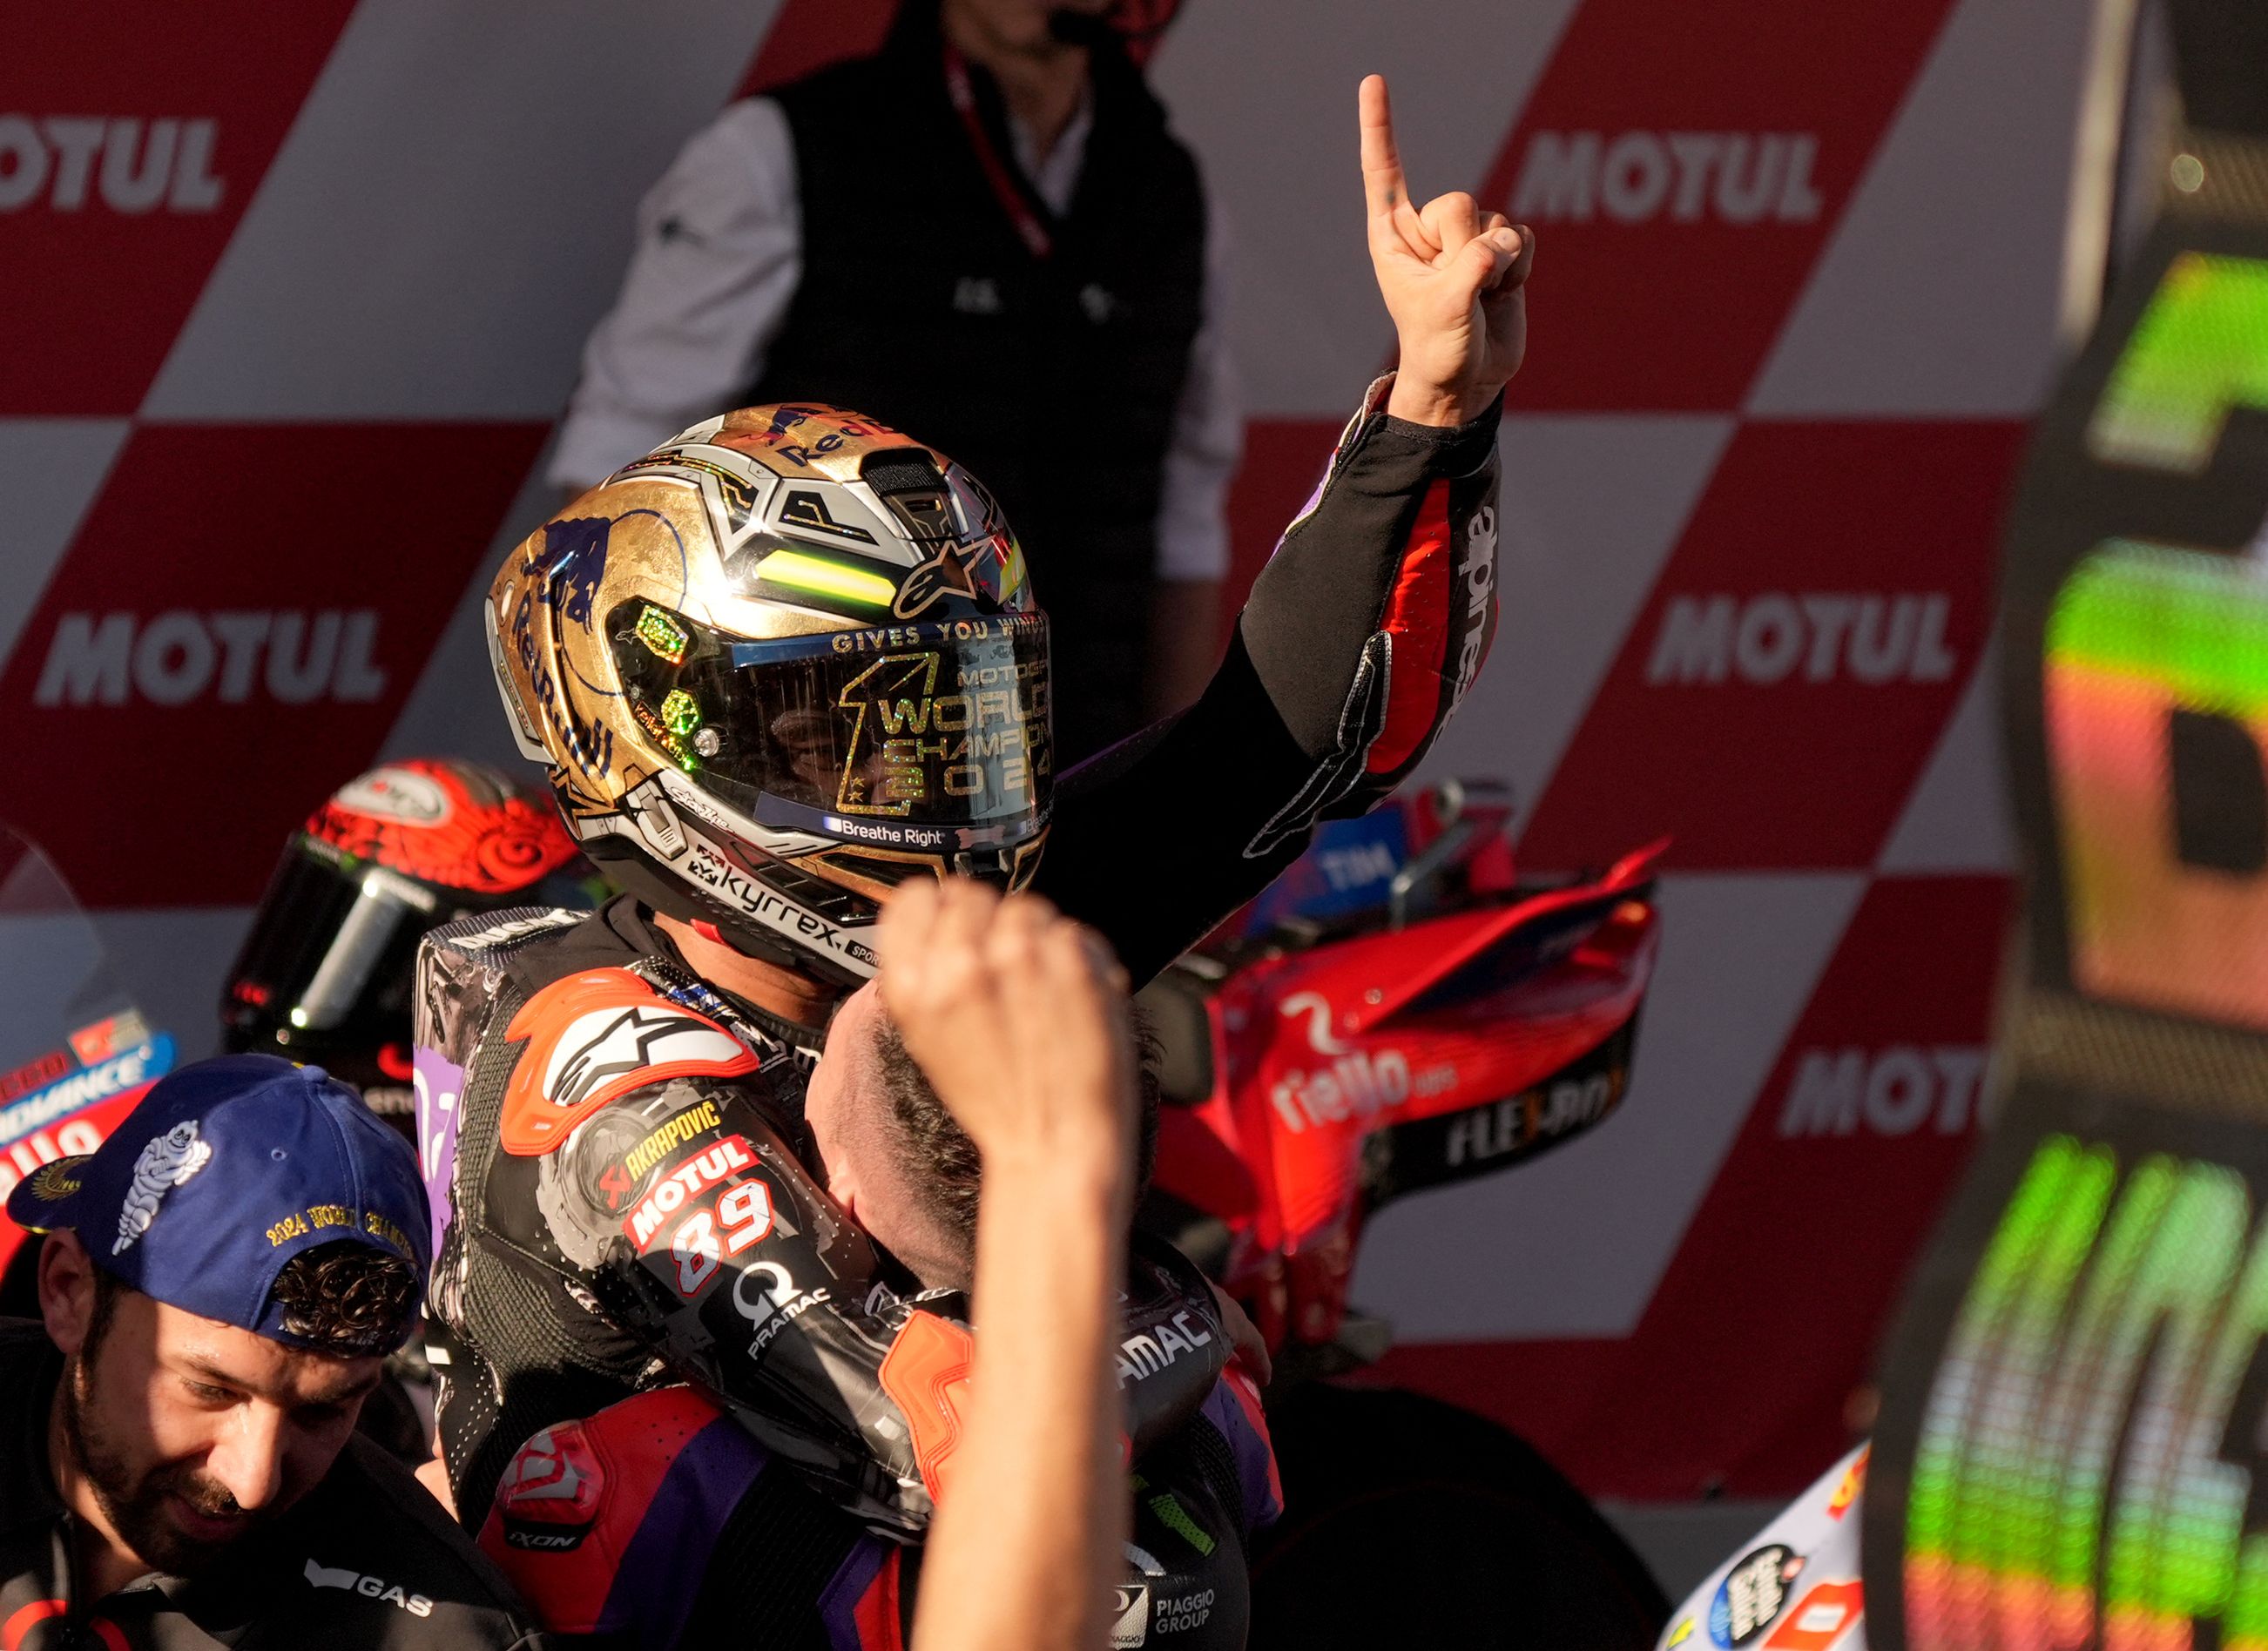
(166, 1161)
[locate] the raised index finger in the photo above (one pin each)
(1382, 184)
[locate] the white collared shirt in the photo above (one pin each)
(719, 251)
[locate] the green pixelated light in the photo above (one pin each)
(664, 637)
(2201, 349)
(813, 575)
(2196, 622)
(2068, 1483)
(680, 713)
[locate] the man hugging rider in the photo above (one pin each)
(774, 669)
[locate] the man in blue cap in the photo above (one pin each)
(220, 1282)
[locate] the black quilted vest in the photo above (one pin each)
(1054, 379)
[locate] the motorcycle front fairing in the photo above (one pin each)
(1349, 1066)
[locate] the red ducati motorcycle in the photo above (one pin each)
(1401, 1011)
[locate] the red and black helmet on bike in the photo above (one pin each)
(325, 974)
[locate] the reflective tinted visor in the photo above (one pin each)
(328, 958)
(923, 737)
(328, 965)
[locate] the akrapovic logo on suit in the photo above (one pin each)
(1683, 177)
(180, 658)
(124, 163)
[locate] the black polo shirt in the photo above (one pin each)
(366, 1559)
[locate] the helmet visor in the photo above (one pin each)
(328, 965)
(329, 958)
(927, 737)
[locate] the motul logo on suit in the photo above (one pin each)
(1812, 636)
(1731, 176)
(126, 164)
(292, 658)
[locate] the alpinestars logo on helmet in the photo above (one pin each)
(928, 583)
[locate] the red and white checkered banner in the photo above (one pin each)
(291, 297)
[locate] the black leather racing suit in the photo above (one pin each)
(1360, 636)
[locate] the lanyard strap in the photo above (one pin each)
(1034, 234)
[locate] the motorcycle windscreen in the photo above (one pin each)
(75, 1051)
(929, 737)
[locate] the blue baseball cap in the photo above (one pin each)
(221, 1174)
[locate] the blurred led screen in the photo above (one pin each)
(2157, 720)
(2084, 1470)
(2201, 348)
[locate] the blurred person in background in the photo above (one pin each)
(218, 1285)
(324, 970)
(985, 233)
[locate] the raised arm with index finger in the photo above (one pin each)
(1364, 631)
(1453, 278)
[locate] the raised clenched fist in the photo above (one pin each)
(1019, 1018)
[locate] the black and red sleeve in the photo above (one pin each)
(1362, 633)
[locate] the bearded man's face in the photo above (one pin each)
(194, 1434)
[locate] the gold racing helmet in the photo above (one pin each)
(777, 667)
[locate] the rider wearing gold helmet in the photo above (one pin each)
(777, 666)
(792, 658)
